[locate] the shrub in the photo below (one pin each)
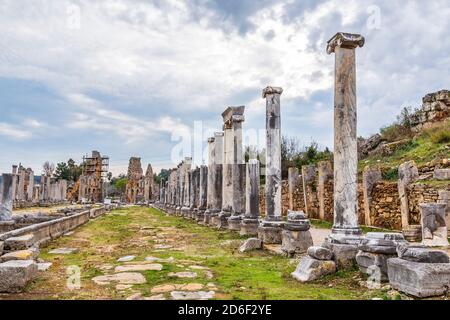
(390, 174)
(439, 132)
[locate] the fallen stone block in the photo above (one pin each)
(344, 255)
(28, 254)
(419, 279)
(63, 251)
(126, 259)
(186, 295)
(320, 253)
(251, 244)
(16, 274)
(123, 278)
(422, 254)
(139, 267)
(310, 269)
(442, 174)
(19, 243)
(44, 266)
(374, 264)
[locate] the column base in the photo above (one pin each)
(234, 222)
(351, 236)
(222, 220)
(178, 211)
(200, 216)
(249, 227)
(185, 211)
(211, 217)
(270, 232)
(296, 237)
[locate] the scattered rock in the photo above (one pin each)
(162, 246)
(19, 243)
(185, 274)
(63, 251)
(198, 267)
(156, 297)
(209, 275)
(164, 288)
(199, 295)
(28, 254)
(126, 258)
(320, 253)
(16, 274)
(310, 269)
(123, 286)
(251, 244)
(44, 266)
(139, 267)
(123, 278)
(421, 254)
(344, 255)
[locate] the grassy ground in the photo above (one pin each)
(138, 231)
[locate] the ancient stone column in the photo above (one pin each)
(186, 202)
(30, 188)
(370, 178)
(325, 174)
(180, 188)
(202, 200)
(6, 200)
(309, 180)
(194, 189)
(293, 180)
(250, 222)
(345, 137)
(270, 228)
(14, 183)
(232, 201)
(21, 184)
(407, 173)
(215, 172)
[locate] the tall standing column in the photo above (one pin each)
(6, 200)
(185, 204)
(270, 229)
(30, 185)
(293, 180)
(345, 228)
(180, 190)
(232, 119)
(215, 173)
(249, 225)
(202, 200)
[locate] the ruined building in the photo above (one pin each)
(140, 187)
(90, 185)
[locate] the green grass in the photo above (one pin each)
(254, 275)
(328, 225)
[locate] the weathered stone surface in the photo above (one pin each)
(270, 233)
(442, 174)
(381, 242)
(28, 254)
(343, 254)
(139, 267)
(126, 258)
(434, 229)
(374, 264)
(295, 242)
(123, 278)
(421, 254)
(251, 244)
(186, 295)
(44, 266)
(174, 287)
(16, 274)
(407, 173)
(419, 279)
(310, 269)
(19, 243)
(185, 274)
(320, 253)
(63, 251)
(1, 247)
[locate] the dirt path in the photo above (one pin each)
(166, 257)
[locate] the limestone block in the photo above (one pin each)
(442, 174)
(28, 254)
(295, 242)
(374, 264)
(419, 279)
(270, 234)
(343, 254)
(20, 243)
(310, 269)
(251, 244)
(421, 254)
(320, 253)
(1, 247)
(16, 274)
(434, 229)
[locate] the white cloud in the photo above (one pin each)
(14, 132)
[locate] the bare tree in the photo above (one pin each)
(48, 168)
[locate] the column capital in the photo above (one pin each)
(218, 134)
(271, 90)
(233, 114)
(345, 40)
(211, 139)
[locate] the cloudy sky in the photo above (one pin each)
(130, 77)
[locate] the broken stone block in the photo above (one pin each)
(374, 264)
(343, 254)
(296, 238)
(251, 244)
(123, 278)
(185, 274)
(310, 269)
(126, 259)
(442, 174)
(419, 279)
(382, 242)
(28, 254)
(19, 243)
(63, 251)
(434, 229)
(422, 254)
(186, 295)
(320, 253)
(16, 274)
(44, 266)
(139, 267)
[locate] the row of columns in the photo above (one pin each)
(225, 193)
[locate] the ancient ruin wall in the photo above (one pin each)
(385, 209)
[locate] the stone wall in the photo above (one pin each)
(421, 193)
(435, 107)
(385, 209)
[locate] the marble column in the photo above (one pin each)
(271, 227)
(232, 200)
(202, 199)
(250, 222)
(180, 188)
(30, 185)
(293, 181)
(325, 174)
(161, 191)
(6, 200)
(185, 202)
(21, 184)
(345, 227)
(14, 183)
(215, 173)
(195, 177)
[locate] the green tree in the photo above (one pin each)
(62, 172)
